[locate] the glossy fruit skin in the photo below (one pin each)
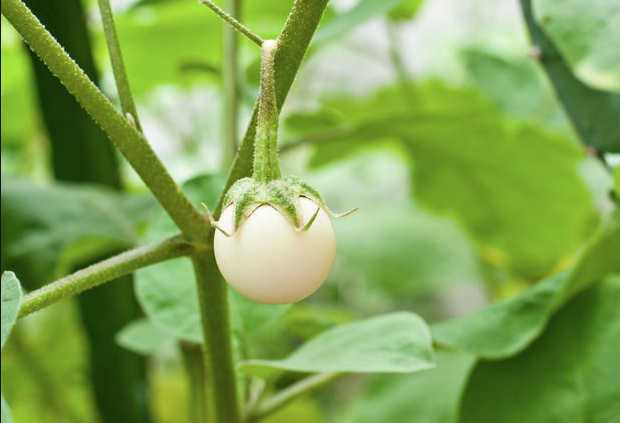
(268, 260)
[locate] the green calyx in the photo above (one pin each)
(248, 194)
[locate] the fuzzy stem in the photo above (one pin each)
(216, 329)
(125, 136)
(291, 393)
(104, 271)
(266, 166)
(118, 68)
(233, 22)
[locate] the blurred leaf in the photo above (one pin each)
(517, 86)
(431, 396)
(505, 328)
(6, 412)
(401, 251)
(594, 113)
(397, 342)
(406, 10)
(299, 411)
(343, 23)
(141, 337)
(46, 230)
(158, 40)
(513, 187)
(11, 299)
(18, 112)
(565, 376)
(585, 33)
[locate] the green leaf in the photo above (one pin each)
(586, 34)
(11, 298)
(405, 11)
(516, 85)
(594, 113)
(6, 412)
(397, 342)
(397, 397)
(142, 337)
(617, 181)
(343, 23)
(567, 375)
(505, 328)
(46, 230)
(514, 188)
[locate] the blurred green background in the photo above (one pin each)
(432, 117)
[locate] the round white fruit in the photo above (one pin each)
(268, 260)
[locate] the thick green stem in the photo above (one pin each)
(231, 91)
(291, 393)
(266, 165)
(196, 376)
(118, 68)
(126, 137)
(104, 271)
(214, 313)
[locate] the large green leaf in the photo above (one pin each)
(586, 33)
(515, 188)
(392, 343)
(567, 375)
(594, 112)
(411, 398)
(505, 328)
(141, 337)
(11, 298)
(48, 229)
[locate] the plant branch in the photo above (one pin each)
(215, 319)
(233, 22)
(290, 393)
(104, 271)
(292, 46)
(118, 68)
(126, 137)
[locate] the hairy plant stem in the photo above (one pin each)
(266, 165)
(285, 396)
(104, 271)
(118, 68)
(233, 22)
(214, 311)
(125, 136)
(231, 90)
(196, 376)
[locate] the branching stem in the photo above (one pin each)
(285, 396)
(118, 68)
(233, 22)
(104, 271)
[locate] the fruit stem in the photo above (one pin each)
(266, 165)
